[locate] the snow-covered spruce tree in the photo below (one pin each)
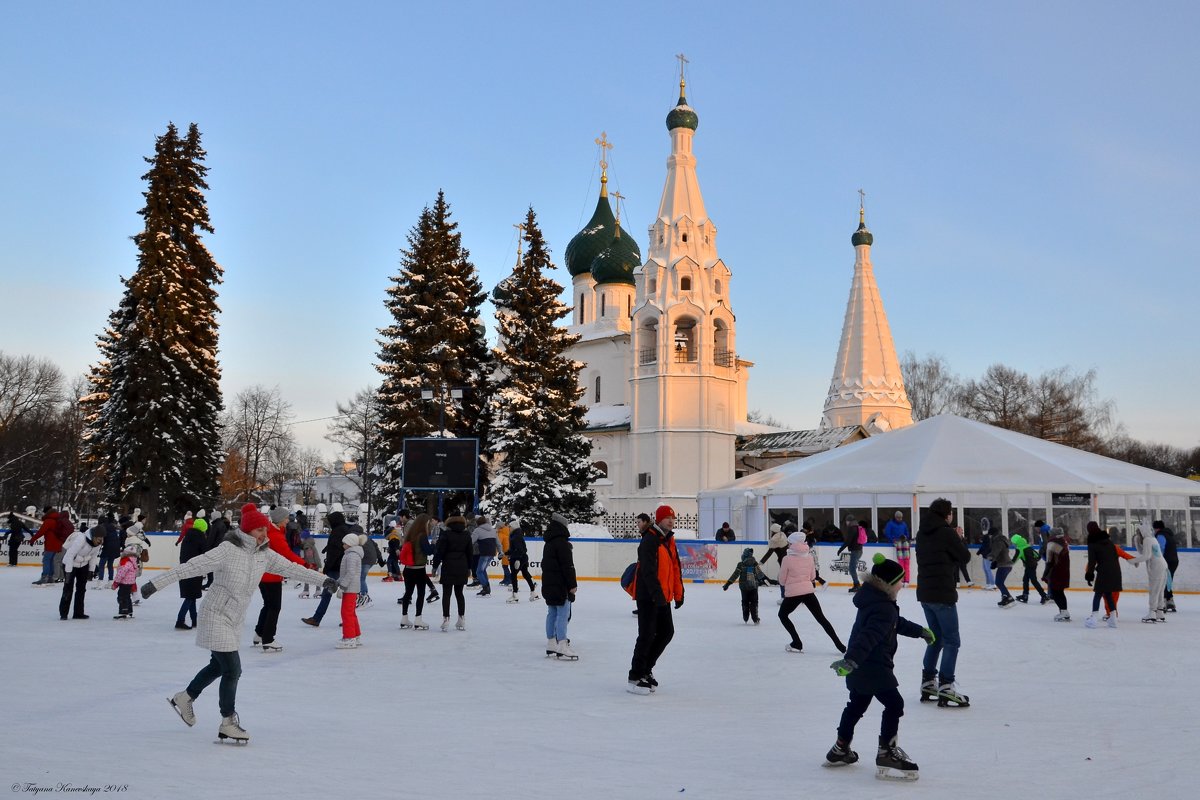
(100, 380)
(436, 340)
(537, 423)
(159, 430)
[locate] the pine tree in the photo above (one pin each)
(100, 381)
(544, 463)
(436, 340)
(158, 432)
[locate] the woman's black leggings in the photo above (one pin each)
(520, 565)
(1060, 598)
(457, 588)
(813, 605)
(413, 580)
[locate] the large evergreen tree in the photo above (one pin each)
(544, 459)
(158, 432)
(436, 340)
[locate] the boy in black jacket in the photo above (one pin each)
(870, 673)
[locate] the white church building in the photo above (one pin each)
(663, 383)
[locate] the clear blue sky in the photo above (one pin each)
(1031, 172)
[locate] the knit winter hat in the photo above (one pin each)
(351, 540)
(662, 512)
(887, 570)
(252, 518)
(201, 525)
(747, 553)
(776, 527)
(200, 514)
(797, 538)
(279, 514)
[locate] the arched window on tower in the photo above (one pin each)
(722, 357)
(629, 307)
(685, 238)
(582, 309)
(603, 304)
(685, 284)
(648, 342)
(717, 286)
(602, 468)
(684, 340)
(597, 400)
(653, 286)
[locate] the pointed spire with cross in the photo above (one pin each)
(616, 195)
(682, 64)
(520, 226)
(862, 207)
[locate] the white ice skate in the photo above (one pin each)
(461, 625)
(1091, 622)
(565, 653)
(445, 624)
(272, 647)
(1062, 616)
(305, 595)
(551, 648)
(791, 648)
(182, 703)
(420, 624)
(404, 623)
(512, 598)
(533, 595)
(347, 644)
(1112, 620)
(231, 731)
(950, 697)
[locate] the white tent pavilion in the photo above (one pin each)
(1009, 478)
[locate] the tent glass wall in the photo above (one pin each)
(971, 521)
(1073, 520)
(1118, 519)
(1176, 520)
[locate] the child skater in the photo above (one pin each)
(125, 582)
(1057, 574)
(870, 672)
(810, 538)
(749, 576)
(1103, 574)
(350, 582)
(311, 556)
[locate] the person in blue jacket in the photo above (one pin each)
(870, 672)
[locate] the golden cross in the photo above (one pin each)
(520, 226)
(682, 60)
(619, 197)
(604, 144)
(862, 204)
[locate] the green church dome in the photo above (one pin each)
(862, 236)
(595, 236)
(682, 115)
(616, 263)
(502, 294)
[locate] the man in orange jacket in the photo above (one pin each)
(659, 586)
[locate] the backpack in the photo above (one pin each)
(629, 580)
(1031, 556)
(862, 535)
(406, 554)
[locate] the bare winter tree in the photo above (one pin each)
(257, 427)
(355, 430)
(931, 385)
(763, 418)
(28, 386)
(1065, 407)
(1002, 397)
(309, 463)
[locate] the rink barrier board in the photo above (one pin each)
(706, 561)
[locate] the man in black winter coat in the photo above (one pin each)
(333, 563)
(1171, 554)
(941, 550)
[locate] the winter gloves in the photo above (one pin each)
(679, 604)
(843, 667)
(147, 590)
(330, 585)
(928, 636)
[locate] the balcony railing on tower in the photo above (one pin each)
(648, 355)
(724, 358)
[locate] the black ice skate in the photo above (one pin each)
(639, 686)
(892, 763)
(929, 690)
(950, 697)
(231, 731)
(840, 755)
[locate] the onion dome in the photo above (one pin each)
(502, 294)
(862, 235)
(593, 239)
(616, 263)
(682, 115)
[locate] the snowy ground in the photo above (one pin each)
(1058, 711)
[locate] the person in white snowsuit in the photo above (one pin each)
(237, 564)
(1151, 554)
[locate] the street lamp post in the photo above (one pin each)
(363, 465)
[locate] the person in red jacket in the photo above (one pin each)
(659, 584)
(52, 530)
(271, 586)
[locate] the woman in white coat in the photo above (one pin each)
(237, 564)
(1150, 552)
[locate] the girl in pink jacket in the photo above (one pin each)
(796, 575)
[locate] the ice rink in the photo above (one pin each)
(1058, 711)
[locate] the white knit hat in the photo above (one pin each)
(350, 540)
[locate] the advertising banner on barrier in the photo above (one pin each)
(697, 561)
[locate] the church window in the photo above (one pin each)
(629, 307)
(717, 286)
(597, 400)
(685, 284)
(602, 468)
(603, 304)
(685, 238)
(582, 309)
(653, 285)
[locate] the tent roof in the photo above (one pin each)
(952, 454)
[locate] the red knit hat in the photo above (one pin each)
(253, 519)
(662, 512)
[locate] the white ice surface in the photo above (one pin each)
(1058, 711)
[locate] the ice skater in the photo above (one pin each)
(311, 556)
(558, 587)
(349, 582)
(1166, 540)
(125, 582)
(414, 576)
(1002, 563)
(796, 577)
(1028, 558)
(896, 532)
(1057, 573)
(1103, 574)
(191, 589)
(81, 551)
(659, 584)
(237, 564)
(454, 560)
(749, 577)
(870, 672)
(1150, 553)
(518, 558)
